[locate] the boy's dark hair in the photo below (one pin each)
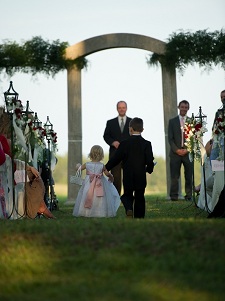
(136, 124)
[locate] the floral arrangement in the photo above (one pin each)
(54, 140)
(25, 121)
(218, 134)
(193, 133)
(27, 131)
(13, 104)
(51, 136)
(39, 133)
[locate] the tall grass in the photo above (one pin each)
(175, 253)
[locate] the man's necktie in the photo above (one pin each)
(122, 125)
(182, 122)
(182, 130)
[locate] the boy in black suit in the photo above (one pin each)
(137, 159)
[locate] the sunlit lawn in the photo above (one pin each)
(175, 253)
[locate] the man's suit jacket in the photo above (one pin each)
(174, 135)
(113, 133)
(219, 112)
(137, 159)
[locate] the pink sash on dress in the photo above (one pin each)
(96, 185)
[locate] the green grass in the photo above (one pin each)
(175, 253)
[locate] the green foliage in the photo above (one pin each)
(156, 182)
(186, 48)
(60, 172)
(36, 56)
(183, 49)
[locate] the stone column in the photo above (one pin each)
(170, 110)
(74, 128)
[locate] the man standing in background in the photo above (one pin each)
(179, 154)
(117, 130)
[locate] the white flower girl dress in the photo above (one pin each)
(97, 196)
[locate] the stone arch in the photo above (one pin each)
(99, 43)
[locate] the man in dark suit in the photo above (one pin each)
(179, 154)
(137, 159)
(117, 130)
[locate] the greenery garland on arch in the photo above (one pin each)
(182, 49)
(186, 48)
(36, 56)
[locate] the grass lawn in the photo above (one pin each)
(175, 253)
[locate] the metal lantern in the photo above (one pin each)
(200, 116)
(11, 96)
(48, 128)
(36, 121)
(27, 114)
(28, 111)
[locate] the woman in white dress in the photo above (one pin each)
(97, 196)
(205, 188)
(214, 181)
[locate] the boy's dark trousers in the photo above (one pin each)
(133, 199)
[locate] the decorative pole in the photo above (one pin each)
(193, 167)
(11, 96)
(38, 125)
(200, 116)
(48, 128)
(28, 112)
(50, 197)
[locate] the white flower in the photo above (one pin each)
(193, 132)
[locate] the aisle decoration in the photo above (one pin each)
(194, 130)
(28, 144)
(51, 136)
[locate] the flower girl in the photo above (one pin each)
(97, 196)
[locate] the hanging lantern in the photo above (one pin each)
(48, 128)
(11, 98)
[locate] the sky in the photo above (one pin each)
(116, 74)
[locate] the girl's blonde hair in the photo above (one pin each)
(96, 153)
